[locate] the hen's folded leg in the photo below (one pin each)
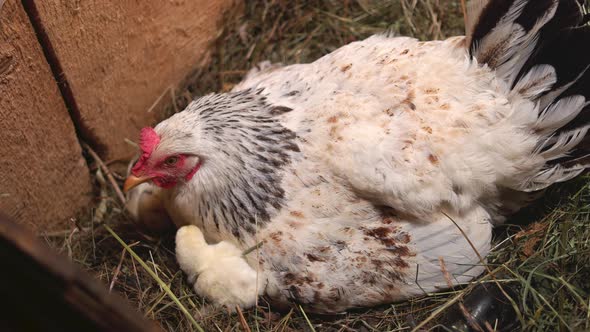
(218, 271)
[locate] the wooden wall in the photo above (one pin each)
(43, 177)
(112, 61)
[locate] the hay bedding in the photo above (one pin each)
(544, 251)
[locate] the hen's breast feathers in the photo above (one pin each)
(408, 124)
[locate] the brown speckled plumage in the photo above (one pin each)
(355, 174)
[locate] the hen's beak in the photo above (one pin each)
(133, 181)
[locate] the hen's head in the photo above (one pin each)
(217, 140)
(163, 160)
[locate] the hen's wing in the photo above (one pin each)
(386, 116)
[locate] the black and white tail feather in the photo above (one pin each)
(541, 50)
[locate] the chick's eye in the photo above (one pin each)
(170, 161)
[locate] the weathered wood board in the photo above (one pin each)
(119, 57)
(44, 179)
(47, 292)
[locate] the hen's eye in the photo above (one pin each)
(171, 161)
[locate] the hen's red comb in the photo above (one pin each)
(148, 139)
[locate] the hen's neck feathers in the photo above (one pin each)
(244, 149)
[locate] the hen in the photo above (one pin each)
(354, 176)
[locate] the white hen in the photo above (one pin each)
(357, 172)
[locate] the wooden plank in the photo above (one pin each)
(119, 57)
(49, 293)
(44, 179)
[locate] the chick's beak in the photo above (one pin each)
(133, 181)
